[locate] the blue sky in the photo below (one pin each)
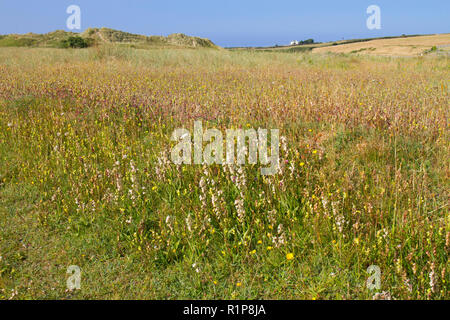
(233, 22)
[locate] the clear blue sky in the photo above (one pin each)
(233, 22)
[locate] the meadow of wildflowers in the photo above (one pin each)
(86, 176)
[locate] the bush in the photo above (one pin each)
(309, 41)
(75, 42)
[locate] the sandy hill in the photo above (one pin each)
(174, 40)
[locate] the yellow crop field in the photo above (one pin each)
(411, 46)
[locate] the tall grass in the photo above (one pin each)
(364, 176)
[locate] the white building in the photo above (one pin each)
(294, 42)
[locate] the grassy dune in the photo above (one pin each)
(85, 176)
(105, 36)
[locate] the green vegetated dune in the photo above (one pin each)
(99, 36)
